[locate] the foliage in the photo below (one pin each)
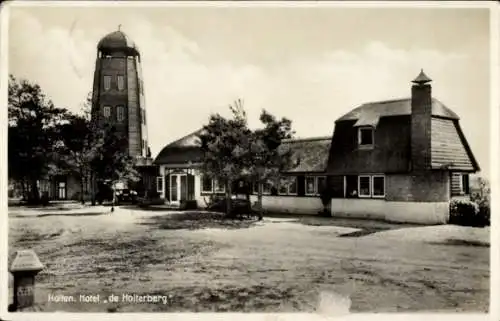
(482, 199)
(79, 144)
(224, 143)
(233, 152)
(266, 160)
(325, 194)
(33, 131)
(465, 212)
(111, 161)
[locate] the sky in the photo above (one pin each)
(311, 65)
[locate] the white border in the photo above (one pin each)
(494, 179)
(494, 170)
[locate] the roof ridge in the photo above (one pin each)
(387, 101)
(306, 139)
(181, 138)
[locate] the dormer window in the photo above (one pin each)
(366, 137)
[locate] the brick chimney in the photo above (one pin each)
(421, 111)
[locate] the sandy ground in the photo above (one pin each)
(281, 264)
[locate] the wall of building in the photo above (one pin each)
(428, 187)
(134, 121)
(289, 204)
(393, 211)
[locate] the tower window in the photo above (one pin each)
(107, 111)
(121, 82)
(107, 82)
(120, 113)
(144, 116)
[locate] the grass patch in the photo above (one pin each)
(232, 298)
(194, 220)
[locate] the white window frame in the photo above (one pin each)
(216, 186)
(203, 185)
(159, 184)
(255, 189)
(105, 77)
(296, 182)
(108, 113)
(372, 184)
(461, 184)
(315, 186)
(122, 83)
(369, 184)
(288, 185)
(360, 136)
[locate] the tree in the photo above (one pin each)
(33, 126)
(224, 143)
(111, 161)
(266, 159)
(80, 143)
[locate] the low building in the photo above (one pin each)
(400, 160)
(296, 191)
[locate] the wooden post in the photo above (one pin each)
(24, 268)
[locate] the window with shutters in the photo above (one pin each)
(107, 82)
(107, 111)
(120, 113)
(120, 82)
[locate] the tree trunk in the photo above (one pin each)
(228, 199)
(82, 189)
(24, 190)
(259, 200)
(92, 188)
(35, 196)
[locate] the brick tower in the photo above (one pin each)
(118, 92)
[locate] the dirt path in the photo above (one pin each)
(278, 265)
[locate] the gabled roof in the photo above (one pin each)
(309, 154)
(396, 107)
(392, 152)
(449, 148)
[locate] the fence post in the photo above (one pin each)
(24, 268)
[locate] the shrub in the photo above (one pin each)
(44, 200)
(325, 194)
(464, 212)
(189, 205)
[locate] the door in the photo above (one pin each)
(61, 190)
(178, 188)
(174, 190)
